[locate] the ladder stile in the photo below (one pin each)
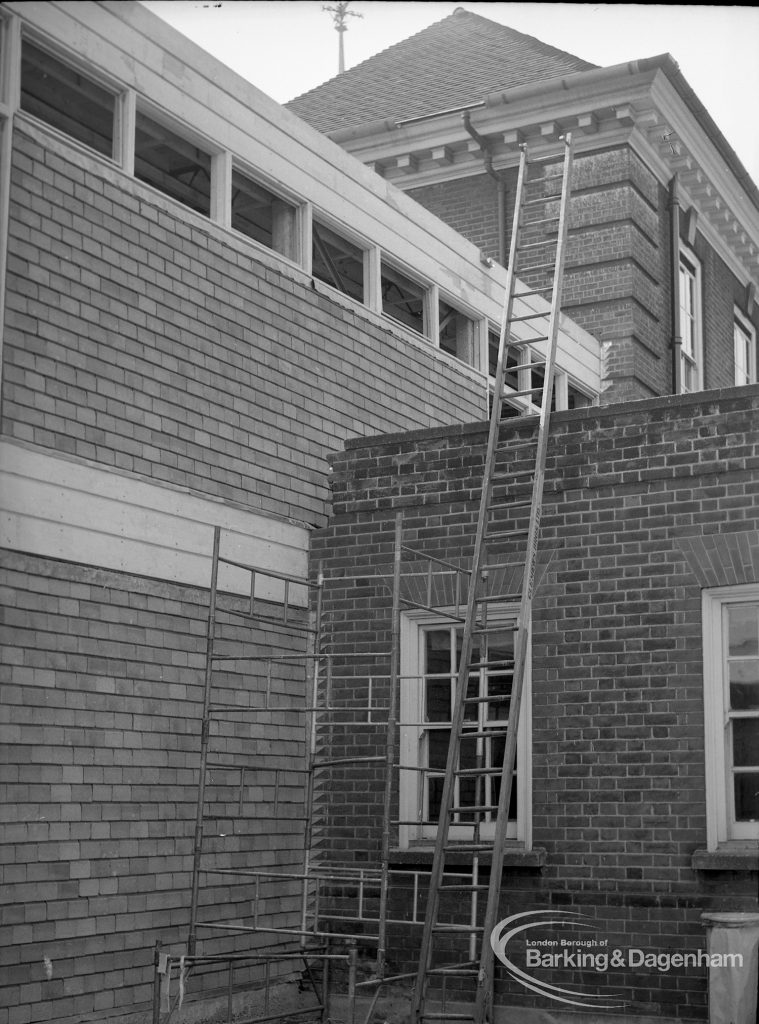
(496, 577)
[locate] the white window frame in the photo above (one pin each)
(414, 624)
(121, 95)
(691, 320)
(744, 347)
(722, 829)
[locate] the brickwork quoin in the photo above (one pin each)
(637, 495)
(101, 693)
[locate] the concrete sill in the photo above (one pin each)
(744, 858)
(421, 856)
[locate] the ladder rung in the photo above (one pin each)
(538, 266)
(527, 366)
(515, 446)
(447, 1016)
(465, 929)
(529, 316)
(498, 535)
(461, 887)
(480, 734)
(541, 199)
(523, 394)
(537, 245)
(473, 808)
(463, 772)
(506, 474)
(470, 847)
(541, 220)
(532, 291)
(455, 972)
(503, 663)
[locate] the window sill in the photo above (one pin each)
(727, 858)
(514, 857)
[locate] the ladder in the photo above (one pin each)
(508, 520)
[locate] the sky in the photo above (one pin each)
(286, 47)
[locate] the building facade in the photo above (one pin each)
(200, 297)
(663, 261)
(636, 789)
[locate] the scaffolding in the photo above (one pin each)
(326, 911)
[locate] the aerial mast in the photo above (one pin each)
(339, 14)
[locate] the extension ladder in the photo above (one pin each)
(509, 518)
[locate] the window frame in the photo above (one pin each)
(283, 195)
(414, 625)
(722, 830)
(743, 328)
(319, 217)
(429, 306)
(144, 107)
(87, 70)
(689, 264)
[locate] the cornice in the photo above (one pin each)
(608, 107)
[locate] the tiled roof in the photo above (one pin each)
(456, 61)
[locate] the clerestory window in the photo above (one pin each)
(62, 96)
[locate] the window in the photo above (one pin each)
(403, 299)
(731, 694)
(690, 324)
(172, 164)
(430, 654)
(263, 216)
(337, 261)
(68, 100)
(516, 379)
(456, 332)
(744, 337)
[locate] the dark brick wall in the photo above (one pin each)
(618, 269)
(139, 340)
(618, 723)
(101, 690)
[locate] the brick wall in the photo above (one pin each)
(140, 339)
(102, 689)
(618, 796)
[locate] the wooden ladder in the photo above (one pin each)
(505, 548)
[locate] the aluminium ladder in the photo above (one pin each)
(509, 517)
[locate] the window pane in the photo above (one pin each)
(746, 742)
(172, 164)
(743, 630)
(66, 99)
(437, 701)
(456, 333)
(744, 685)
(338, 262)
(747, 797)
(403, 299)
(262, 216)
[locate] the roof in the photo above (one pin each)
(455, 62)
